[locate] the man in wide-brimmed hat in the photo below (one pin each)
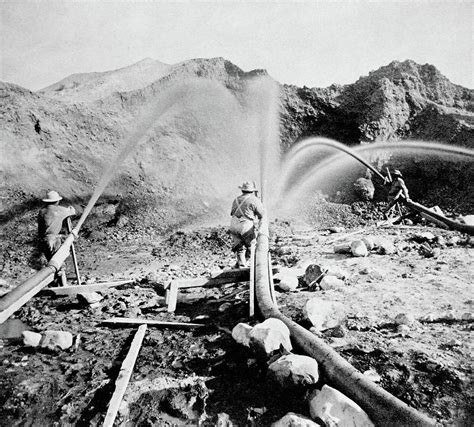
(50, 223)
(397, 190)
(247, 211)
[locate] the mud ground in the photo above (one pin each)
(186, 377)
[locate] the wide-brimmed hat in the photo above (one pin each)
(248, 187)
(396, 172)
(52, 196)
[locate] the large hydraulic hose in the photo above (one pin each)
(19, 296)
(382, 408)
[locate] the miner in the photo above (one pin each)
(247, 211)
(397, 190)
(50, 223)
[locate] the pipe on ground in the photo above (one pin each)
(382, 408)
(19, 296)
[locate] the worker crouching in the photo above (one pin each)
(247, 212)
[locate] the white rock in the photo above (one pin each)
(294, 370)
(358, 248)
(331, 282)
(403, 330)
(467, 316)
(294, 420)
(405, 319)
(336, 409)
(241, 332)
(31, 339)
(89, 297)
(372, 375)
(369, 242)
(324, 314)
(342, 248)
(385, 247)
(334, 270)
(223, 420)
(54, 339)
(336, 229)
(287, 283)
(269, 335)
(467, 219)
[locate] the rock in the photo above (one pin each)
(287, 283)
(342, 248)
(284, 250)
(31, 339)
(224, 307)
(294, 420)
(334, 270)
(324, 314)
(331, 282)
(312, 272)
(336, 409)
(122, 221)
(358, 248)
(89, 297)
(436, 252)
(336, 229)
(403, 330)
(294, 370)
(467, 316)
(241, 332)
(369, 242)
(223, 420)
(467, 219)
(268, 336)
(424, 236)
(440, 241)
(54, 339)
(453, 241)
(405, 319)
(453, 343)
(372, 375)
(364, 189)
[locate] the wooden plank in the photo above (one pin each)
(270, 280)
(94, 287)
(73, 252)
(124, 376)
(150, 322)
(252, 282)
(172, 297)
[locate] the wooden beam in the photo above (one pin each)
(252, 282)
(124, 376)
(94, 287)
(150, 322)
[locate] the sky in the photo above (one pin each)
(306, 43)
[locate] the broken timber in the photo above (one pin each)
(94, 287)
(124, 376)
(149, 322)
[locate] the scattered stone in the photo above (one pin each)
(336, 409)
(286, 281)
(336, 229)
(241, 332)
(342, 248)
(403, 330)
(54, 339)
(312, 273)
(31, 339)
(331, 282)
(358, 249)
(372, 375)
(385, 247)
(89, 297)
(440, 241)
(284, 250)
(369, 242)
(294, 370)
(436, 252)
(453, 343)
(467, 316)
(224, 307)
(453, 241)
(324, 314)
(405, 319)
(268, 336)
(337, 332)
(467, 219)
(334, 270)
(424, 236)
(294, 420)
(223, 420)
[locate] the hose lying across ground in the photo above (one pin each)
(382, 408)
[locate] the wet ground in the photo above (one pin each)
(186, 376)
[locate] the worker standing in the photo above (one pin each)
(247, 211)
(50, 224)
(398, 190)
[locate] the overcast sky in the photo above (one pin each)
(299, 42)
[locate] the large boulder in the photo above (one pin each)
(324, 314)
(331, 282)
(312, 273)
(269, 336)
(31, 339)
(336, 409)
(293, 370)
(53, 340)
(286, 280)
(358, 248)
(294, 420)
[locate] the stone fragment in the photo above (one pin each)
(324, 314)
(403, 330)
(440, 241)
(372, 375)
(336, 229)
(331, 282)
(467, 316)
(294, 370)
(294, 420)
(224, 307)
(336, 409)
(369, 242)
(358, 248)
(424, 236)
(385, 247)
(312, 272)
(269, 336)
(334, 270)
(467, 219)
(342, 248)
(287, 283)
(31, 339)
(405, 319)
(54, 339)
(223, 420)
(241, 332)
(89, 297)
(453, 241)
